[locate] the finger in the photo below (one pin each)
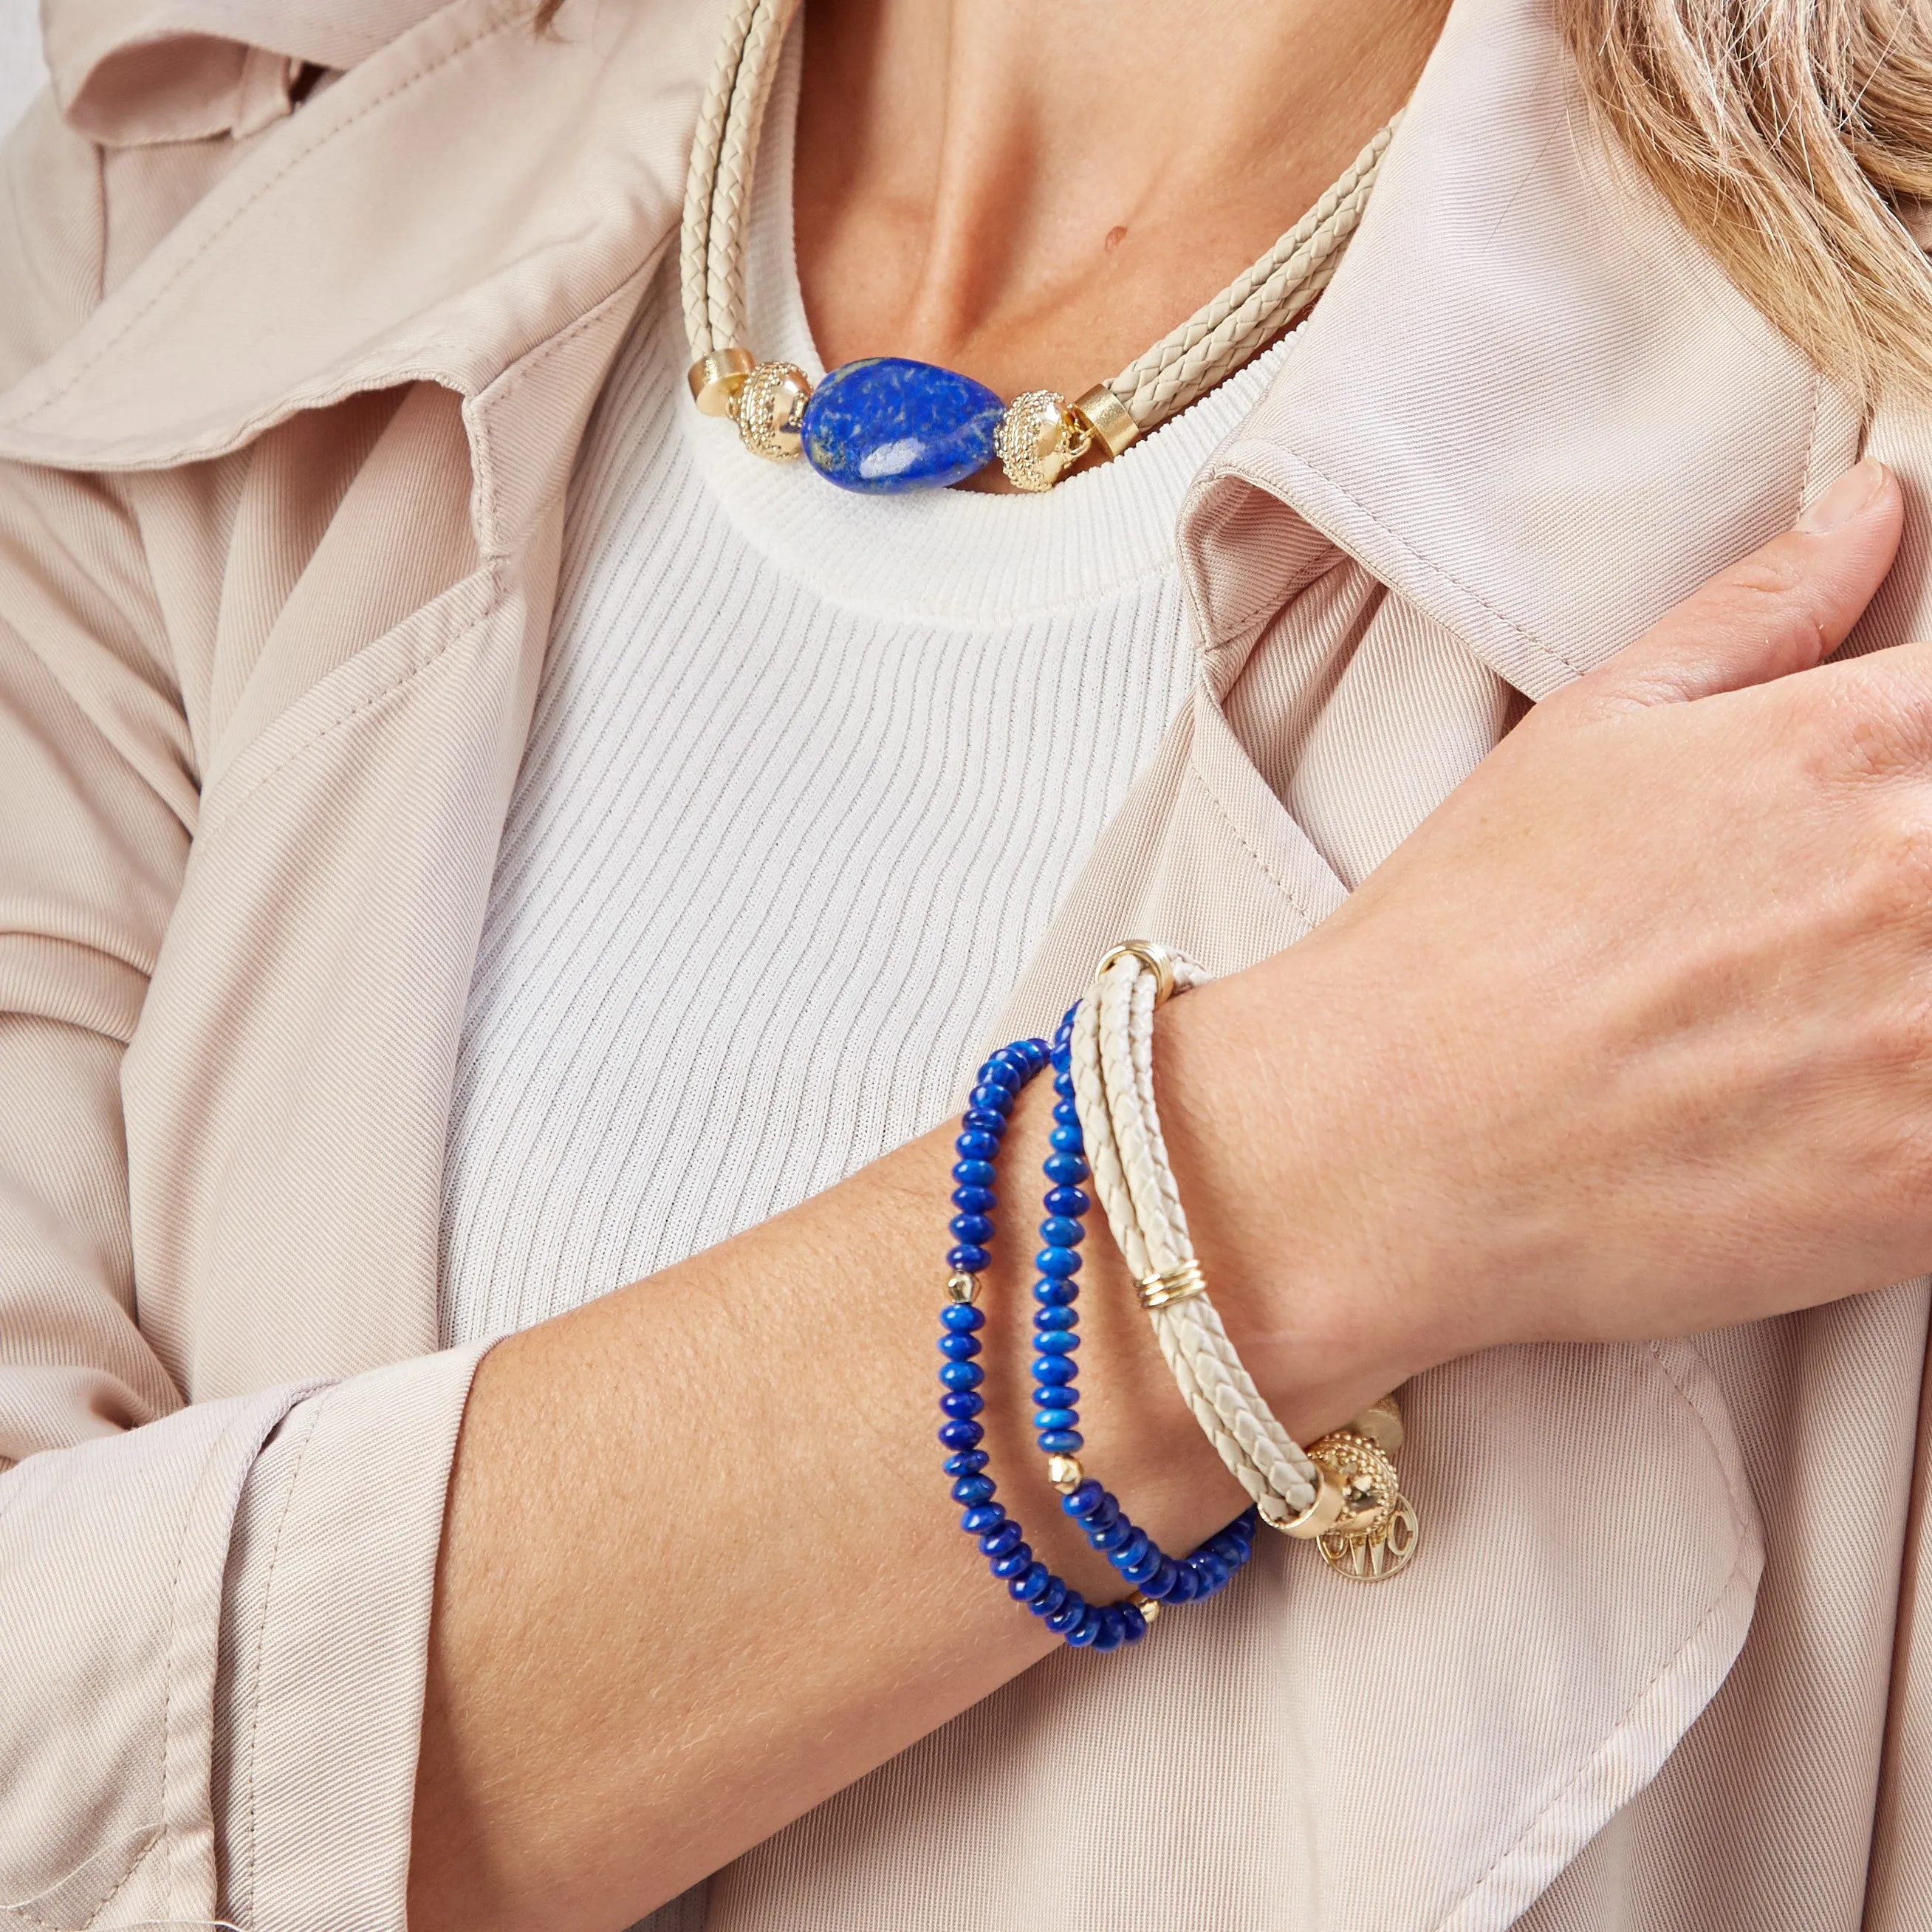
(1781, 609)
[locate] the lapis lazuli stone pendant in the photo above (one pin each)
(887, 424)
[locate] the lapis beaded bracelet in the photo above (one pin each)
(1157, 1578)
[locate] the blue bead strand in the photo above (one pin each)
(1139, 1558)
(1001, 1540)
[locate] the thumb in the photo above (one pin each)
(1783, 608)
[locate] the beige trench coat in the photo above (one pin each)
(289, 397)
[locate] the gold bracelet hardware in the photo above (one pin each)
(716, 378)
(1148, 1607)
(1065, 1473)
(1377, 1532)
(1380, 1422)
(1317, 1519)
(1106, 419)
(961, 1286)
(1178, 1284)
(1153, 956)
(1375, 1558)
(1364, 1475)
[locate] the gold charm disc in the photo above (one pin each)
(1376, 1557)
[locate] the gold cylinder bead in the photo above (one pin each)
(1106, 418)
(716, 378)
(1317, 1519)
(770, 406)
(1039, 440)
(1380, 1422)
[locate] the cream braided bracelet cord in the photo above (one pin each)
(1342, 1491)
(1041, 435)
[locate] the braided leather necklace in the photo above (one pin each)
(886, 423)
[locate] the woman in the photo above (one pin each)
(474, 839)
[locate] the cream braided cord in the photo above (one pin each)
(1216, 341)
(695, 239)
(1183, 366)
(1112, 1055)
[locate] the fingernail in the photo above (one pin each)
(1853, 494)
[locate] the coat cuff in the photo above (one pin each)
(324, 1646)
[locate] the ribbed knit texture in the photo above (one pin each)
(808, 774)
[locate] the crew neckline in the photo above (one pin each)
(958, 556)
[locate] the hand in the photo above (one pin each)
(1633, 1036)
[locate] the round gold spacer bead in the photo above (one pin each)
(1065, 1473)
(961, 1286)
(1106, 419)
(770, 406)
(1039, 440)
(1148, 1607)
(716, 378)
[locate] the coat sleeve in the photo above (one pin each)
(213, 1616)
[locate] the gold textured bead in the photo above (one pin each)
(1065, 1473)
(1038, 438)
(1366, 1478)
(1148, 1607)
(716, 378)
(1106, 419)
(961, 1286)
(770, 406)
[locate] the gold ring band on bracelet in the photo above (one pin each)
(1177, 1284)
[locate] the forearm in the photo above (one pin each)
(701, 1570)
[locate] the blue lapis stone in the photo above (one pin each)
(887, 424)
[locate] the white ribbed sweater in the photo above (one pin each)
(807, 774)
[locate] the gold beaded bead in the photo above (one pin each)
(1065, 1473)
(770, 406)
(1366, 1478)
(1038, 438)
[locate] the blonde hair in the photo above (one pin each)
(1789, 135)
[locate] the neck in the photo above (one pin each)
(1032, 194)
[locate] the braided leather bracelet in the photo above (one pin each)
(1342, 1491)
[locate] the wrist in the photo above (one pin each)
(1323, 1285)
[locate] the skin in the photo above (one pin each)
(1626, 1040)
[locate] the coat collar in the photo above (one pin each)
(390, 233)
(128, 73)
(1529, 401)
